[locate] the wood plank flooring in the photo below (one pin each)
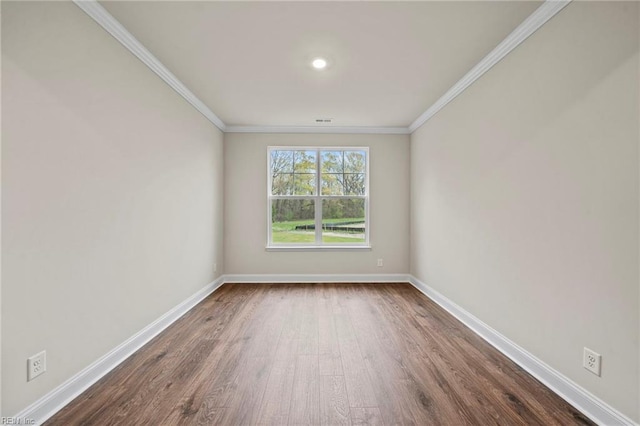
(318, 354)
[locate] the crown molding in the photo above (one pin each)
(530, 25)
(120, 33)
(318, 129)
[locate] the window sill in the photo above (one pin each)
(318, 248)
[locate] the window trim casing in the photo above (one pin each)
(318, 245)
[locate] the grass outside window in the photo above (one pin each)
(318, 197)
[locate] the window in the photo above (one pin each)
(318, 197)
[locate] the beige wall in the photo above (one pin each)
(111, 196)
(246, 207)
(1, 412)
(524, 198)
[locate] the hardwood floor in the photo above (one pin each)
(329, 354)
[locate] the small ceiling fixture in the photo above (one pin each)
(319, 63)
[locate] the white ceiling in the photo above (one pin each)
(249, 62)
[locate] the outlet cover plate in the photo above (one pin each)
(36, 365)
(591, 361)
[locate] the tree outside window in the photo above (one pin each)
(318, 196)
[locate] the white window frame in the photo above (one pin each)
(318, 197)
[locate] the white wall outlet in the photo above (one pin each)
(36, 365)
(591, 361)
(215, 267)
(380, 263)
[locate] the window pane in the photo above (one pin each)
(355, 162)
(332, 161)
(282, 184)
(292, 221)
(303, 177)
(281, 162)
(332, 184)
(305, 184)
(343, 172)
(343, 220)
(305, 161)
(353, 183)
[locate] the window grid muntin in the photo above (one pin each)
(318, 197)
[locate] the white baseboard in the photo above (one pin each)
(55, 400)
(596, 409)
(593, 407)
(316, 278)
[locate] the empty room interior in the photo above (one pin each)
(327, 213)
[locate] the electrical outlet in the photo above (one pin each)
(215, 267)
(380, 263)
(36, 365)
(591, 361)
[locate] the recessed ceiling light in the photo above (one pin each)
(319, 63)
